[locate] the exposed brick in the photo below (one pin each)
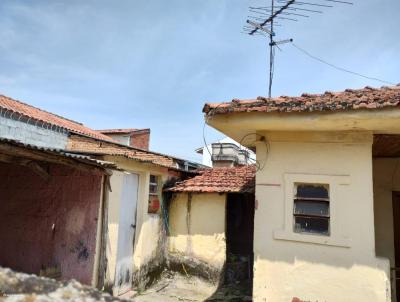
(141, 139)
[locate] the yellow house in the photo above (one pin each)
(133, 228)
(327, 225)
(210, 220)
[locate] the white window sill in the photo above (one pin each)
(309, 238)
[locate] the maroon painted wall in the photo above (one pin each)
(49, 223)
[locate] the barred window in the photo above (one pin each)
(311, 209)
(154, 202)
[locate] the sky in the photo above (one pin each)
(154, 63)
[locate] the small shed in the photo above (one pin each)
(211, 219)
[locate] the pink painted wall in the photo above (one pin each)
(49, 223)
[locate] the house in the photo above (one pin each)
(50, 214)
(134, 209)
(326, 227)
(52, 200)
(137, 138)
(94, 213)
(226, 152)
(211, 223)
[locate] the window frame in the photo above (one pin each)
(337, 187)
(321, 200)
(153, 195)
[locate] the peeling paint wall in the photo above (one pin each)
(197, 230)
(339, 267)
(47, 224)
(150, 235)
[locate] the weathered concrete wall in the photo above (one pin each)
(150, 235)
(386, 180)
(31, 134)
(46, 224)
(339, 267)
(197, 231)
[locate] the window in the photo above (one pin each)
(154, 202)
(311, 209)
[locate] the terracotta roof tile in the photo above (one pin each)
(121, 131)
(351, 99)
(220, 180)
(33, 113)
(86, 145)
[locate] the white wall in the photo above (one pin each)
(208, 149)
(30, 134)
(121, 138)
(342, 267)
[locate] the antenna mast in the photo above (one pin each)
(271, 52)
(283, 10)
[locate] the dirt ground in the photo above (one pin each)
(174, 287)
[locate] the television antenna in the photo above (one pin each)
(263, 20)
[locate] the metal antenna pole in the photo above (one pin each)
(262, 15)
(271, 54)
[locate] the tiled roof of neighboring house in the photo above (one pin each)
(350, 99)
(89, 146)
(35, 114)
(220, 180)
(121, 131)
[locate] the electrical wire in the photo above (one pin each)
(337, 67)
(207, 117)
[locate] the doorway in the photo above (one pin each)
(126, 233)
(396, 232)
(239, 240)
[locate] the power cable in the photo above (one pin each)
(337, 67)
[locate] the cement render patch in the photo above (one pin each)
(33, 135)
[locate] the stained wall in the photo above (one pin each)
(197, 229)
(49, 223)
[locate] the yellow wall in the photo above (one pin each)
(200, 235)
(341, 267)
(386, 180)
(148, 234)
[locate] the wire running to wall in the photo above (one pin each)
(307, 53)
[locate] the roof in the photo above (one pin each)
(35, 114)
(220, 180)
(84, 140)
(122, 131)
(351, 99)
(89, 146)
(55, 152)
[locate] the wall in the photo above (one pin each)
(140, 139)
(386, 180)
(47, 224)
(120, 138)
(31, 134)
(207, 150)
(150, 235)
(197, 231)
(341, 267)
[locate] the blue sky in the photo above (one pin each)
(125, 63)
